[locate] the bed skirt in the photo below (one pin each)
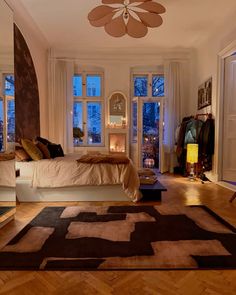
(26, 193)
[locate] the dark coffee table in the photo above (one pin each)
(152, 192)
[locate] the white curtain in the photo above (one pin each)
(173, 113)
(61, 102)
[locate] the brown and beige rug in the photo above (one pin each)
(122, 237)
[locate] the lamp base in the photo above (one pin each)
(192, 176)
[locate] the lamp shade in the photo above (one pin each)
(192, 153)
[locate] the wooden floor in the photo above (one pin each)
(180, 191)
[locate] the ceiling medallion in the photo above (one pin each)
(132, 17)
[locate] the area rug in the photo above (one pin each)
(122, 238)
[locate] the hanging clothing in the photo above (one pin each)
(181, 135)
(206, 138)
(206, 142)
(192, 131)
(180, 150)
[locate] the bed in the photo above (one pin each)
(64, 179)
(7, 181)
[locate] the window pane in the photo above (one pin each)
(94, 122)
(78, 123)
(77, 85)
(1, 125)
(9, 85)
(140, 86)
(11, 120)
(135, 121)
(93, 83)
(158, 86)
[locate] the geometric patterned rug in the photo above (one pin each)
(122, 238)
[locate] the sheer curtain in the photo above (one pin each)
(173, 113)
(61, 102)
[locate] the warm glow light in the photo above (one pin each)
(117, 143)
(192, 153)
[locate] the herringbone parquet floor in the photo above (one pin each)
(180, 191)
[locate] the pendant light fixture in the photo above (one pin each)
(132, 17)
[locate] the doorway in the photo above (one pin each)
(147, 132)
(150, 134)
(229, 122)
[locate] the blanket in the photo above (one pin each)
(68, 172)
(108, 159)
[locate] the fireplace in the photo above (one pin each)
(117, 142)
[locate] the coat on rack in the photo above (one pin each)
(206, 143)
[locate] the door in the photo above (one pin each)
(229, 138)
(150, 137)
(147, 132)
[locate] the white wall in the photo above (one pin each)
(117, 71)
(207, 66)
(38, 48)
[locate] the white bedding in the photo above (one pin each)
(7, 173)
(26, 169)
(67, 172)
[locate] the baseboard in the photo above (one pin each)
(213, 177)
(227, 185)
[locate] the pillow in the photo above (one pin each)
(55, 150)
(43, 148)
(93, 153)
(21, 155)
(43, 140)
(31, 149)
(7, 156)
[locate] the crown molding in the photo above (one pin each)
(23, 18)
(128, 54)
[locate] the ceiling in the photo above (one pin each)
(65, 25)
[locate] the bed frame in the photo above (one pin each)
(26, 193)
(7, 194)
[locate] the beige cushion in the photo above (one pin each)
(43, 148)
(21, 155)
(31, 149)
(6, 157)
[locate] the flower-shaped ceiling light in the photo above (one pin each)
(132, 17)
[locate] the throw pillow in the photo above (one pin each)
(21, 155)
(55, 150)
(6, 156)
(43, 140)
(43, 148)
(31, 149)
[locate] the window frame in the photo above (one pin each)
(149, 76)
(84, 99)
(5, 99)
(149, 97)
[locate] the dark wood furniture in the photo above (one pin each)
(152, 192)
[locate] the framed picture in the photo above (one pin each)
(205, 94)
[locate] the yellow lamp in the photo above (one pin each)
(192, 158)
